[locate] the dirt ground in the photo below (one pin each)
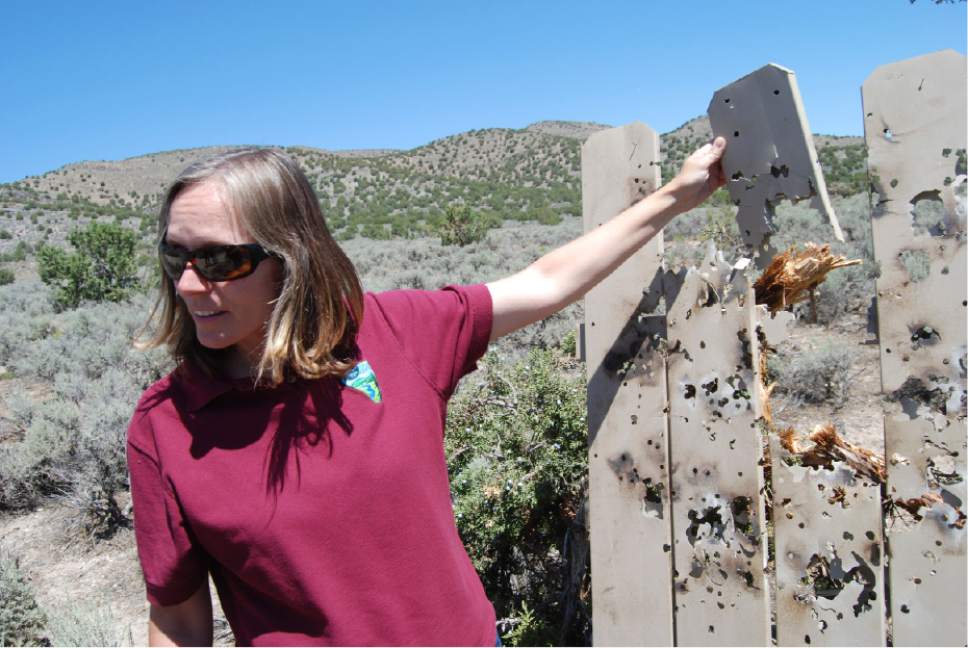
(68, 575)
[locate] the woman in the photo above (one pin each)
(296, 452)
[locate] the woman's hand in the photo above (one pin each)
(701, 174)
(563, 275)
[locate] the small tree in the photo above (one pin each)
(103, 268)
(461, 227)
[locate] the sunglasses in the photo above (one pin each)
(215, 262)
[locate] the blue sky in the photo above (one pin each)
(109, 80)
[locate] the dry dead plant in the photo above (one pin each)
(828, 447)
(792, 276)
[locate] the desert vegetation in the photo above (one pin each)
(76, 278)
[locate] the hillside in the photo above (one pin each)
(529, 174)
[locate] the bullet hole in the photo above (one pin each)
(737, 176)
(924, 336)
(777, 171)
(905, 609)
(666, 548)
(735, 133)
(870, 535)
(917, 263)
(806, 639)
(710, 523)
(747, 577)
(711, 387)
(917, 581)
(928, 215)
(712, 629)
(690, 391)
(726, 100)
(702, 344)
(776, 92)
(888, 134)
(848, 535)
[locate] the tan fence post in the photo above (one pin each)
(718, 513)
(914, 124)
(628, 484)
(829, 555)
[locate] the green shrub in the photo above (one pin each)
(813, 375)
(21, 620)
(19, 253)
(5, 234)
(103, 267)
(85, 623)
(721, 228)
(72, 440)
(461, 227)
(6, 276)
(516, 446)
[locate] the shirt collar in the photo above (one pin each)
(200, 389)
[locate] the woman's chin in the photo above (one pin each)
(214, 342)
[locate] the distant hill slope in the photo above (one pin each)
(523, 174)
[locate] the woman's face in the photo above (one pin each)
(226, 313)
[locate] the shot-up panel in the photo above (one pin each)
(715, 447)
(914, 124)
(628, 476)
(770, 154)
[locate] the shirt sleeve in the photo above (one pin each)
(173, 564)
(443, 332)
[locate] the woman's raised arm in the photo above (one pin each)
(565, 274)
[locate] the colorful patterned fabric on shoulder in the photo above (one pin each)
(362, 378)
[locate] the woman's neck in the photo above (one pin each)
(240, 363)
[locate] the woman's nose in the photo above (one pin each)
(191, 282)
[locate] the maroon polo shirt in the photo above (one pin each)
(323, 516)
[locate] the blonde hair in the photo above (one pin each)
(311, 332)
